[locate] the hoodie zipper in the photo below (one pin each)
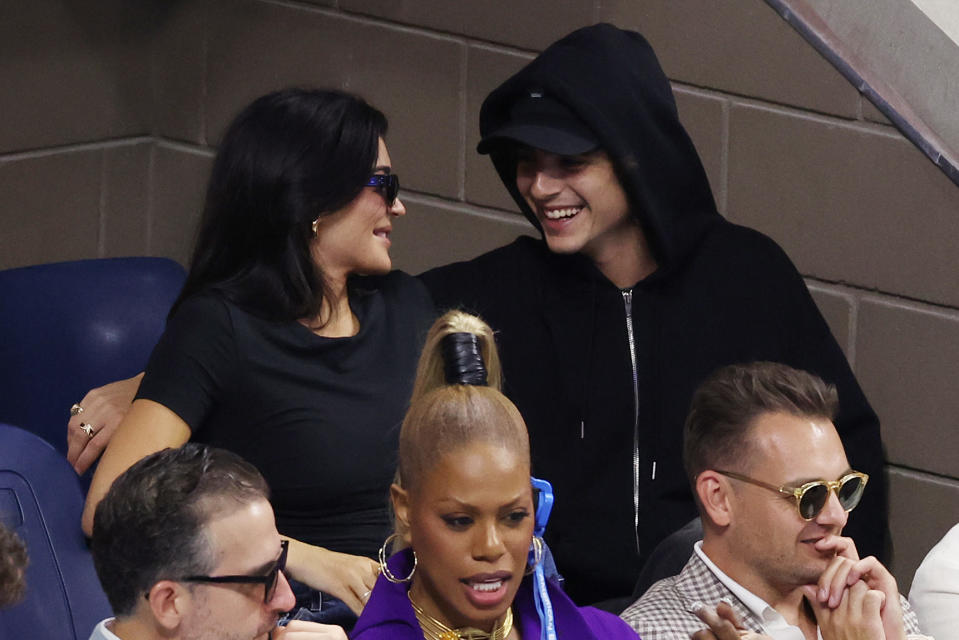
(628, 302)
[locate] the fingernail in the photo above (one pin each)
(823, 595)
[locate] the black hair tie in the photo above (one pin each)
(464, 363)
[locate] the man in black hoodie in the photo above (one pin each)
(638, 290)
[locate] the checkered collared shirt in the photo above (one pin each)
(667, 610)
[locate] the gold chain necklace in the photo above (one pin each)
(433, 629)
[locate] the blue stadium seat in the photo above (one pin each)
(41, 501)
(68, 327)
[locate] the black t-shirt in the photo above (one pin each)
(319, 417)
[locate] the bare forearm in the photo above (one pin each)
(147, 428)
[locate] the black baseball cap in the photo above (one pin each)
(542, 122)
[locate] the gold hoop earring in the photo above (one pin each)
(537, 548)
(385, 570)
(313, 226)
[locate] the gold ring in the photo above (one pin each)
(76, 410)
(87, 429)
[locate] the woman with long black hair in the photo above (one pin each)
(292, 343)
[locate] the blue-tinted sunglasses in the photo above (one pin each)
(387, 184)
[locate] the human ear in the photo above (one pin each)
(168, 602)
(713, 493)
(401, 509)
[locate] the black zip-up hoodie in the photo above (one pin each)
(721, 294)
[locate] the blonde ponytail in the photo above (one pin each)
(430, 372)
(446, 413)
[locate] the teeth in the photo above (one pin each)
(487, 586)
(556, 214)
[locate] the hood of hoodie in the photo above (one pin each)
(612, 81)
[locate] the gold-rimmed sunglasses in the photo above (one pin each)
(811, 497)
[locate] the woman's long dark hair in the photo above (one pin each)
(286, 159)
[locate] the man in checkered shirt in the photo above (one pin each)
(774, 491)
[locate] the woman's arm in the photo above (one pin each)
(350, 578)
(148, 427)
(190, 369)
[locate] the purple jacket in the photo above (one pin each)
(388, 614)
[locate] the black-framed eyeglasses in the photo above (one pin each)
(811, 497)
(387, 184)
(269, 581)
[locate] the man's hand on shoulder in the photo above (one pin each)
(101, 409)
(302, 630)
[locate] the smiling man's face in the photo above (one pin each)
(778, 544)
(578, 202)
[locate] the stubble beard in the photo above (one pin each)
(207, 629)
(789, 572)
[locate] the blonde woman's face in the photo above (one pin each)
(470, 523)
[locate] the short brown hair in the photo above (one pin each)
(725, 406)
(152, 523)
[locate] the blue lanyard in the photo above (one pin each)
(544, 607)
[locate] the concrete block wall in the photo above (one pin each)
(112, 110)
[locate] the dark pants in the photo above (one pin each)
(316, 606)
